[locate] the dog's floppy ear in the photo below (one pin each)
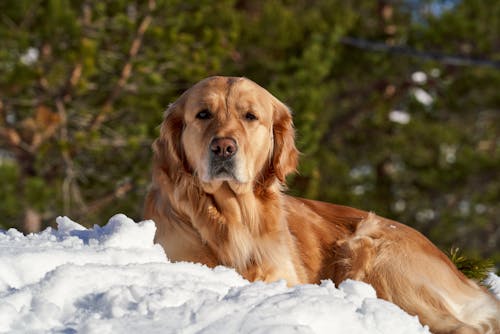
(285, 154)
(168, 152)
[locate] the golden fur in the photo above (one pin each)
(220, 162)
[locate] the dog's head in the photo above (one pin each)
(226, 129)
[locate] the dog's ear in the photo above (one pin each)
(285, 154)
(168, 152)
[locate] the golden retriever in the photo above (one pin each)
(220, 162)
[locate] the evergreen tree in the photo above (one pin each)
(391, 127)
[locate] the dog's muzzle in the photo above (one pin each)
(222, 153)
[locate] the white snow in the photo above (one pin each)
(399, 116)
(422, 96)
(493, 282)
(419, 77)
(113, 279)
(30, 56)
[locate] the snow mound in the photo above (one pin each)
(493, 283)
(26, 259)
(114, 279)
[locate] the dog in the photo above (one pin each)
(219, 168)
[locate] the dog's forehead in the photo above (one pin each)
(226, 86)
(241, 92)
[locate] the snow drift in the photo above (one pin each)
(113, 279)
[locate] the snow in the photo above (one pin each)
(419, 77)
(114, 279)
(493, 282)
(30, 56)
(422, 96)
(399, 116)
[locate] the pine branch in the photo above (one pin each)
(454, 60)
(473, 268)
(127, 68)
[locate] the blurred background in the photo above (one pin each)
(396, 103)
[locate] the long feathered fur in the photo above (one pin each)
(267, 235)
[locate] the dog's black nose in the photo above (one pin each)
(223, 148)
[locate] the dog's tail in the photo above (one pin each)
(405, 268)
(482, 313)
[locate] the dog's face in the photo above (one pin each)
(230, 130)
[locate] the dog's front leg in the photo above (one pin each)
(269, 274)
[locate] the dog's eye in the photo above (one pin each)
(250, 116)
(204, 114)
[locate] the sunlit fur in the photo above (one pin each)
(248, 223)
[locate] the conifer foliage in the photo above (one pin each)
(385, 121)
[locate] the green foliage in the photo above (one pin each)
(83, 87)
(474, 268)
(11, 206)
